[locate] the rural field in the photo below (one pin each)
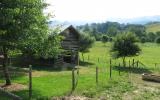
(124, 84)
(79, 50)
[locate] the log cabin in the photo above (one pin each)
(70, 45)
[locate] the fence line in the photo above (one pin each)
(13, 96)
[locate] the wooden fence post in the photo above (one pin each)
(30, 82)
(119, 69)
(77, 71)
(137, 63)
(73, 80)
(98, 60)
(88, 61)
(78, 60)
(129, 63)
(110, 68)
(96, 75)
(88, 57)
(133, 63)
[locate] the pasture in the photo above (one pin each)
(48, 83)
(155, 27)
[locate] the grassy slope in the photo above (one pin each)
(48, 83)
(153, 27)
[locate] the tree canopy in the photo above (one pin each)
(85, 42)
(23, 26)
(125, 45)
(157, 40)
(105, 38)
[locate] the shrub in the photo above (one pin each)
(157, 40)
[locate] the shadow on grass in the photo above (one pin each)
(64, 67)
(14, 72)
(136, 70)
(85, 63)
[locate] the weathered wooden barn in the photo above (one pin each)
(70, 45)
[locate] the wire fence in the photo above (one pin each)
(16, 72)
(103, 69)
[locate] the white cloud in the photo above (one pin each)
(89, 10)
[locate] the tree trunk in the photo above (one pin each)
(124, 62)
(5, 68)
(83, 57)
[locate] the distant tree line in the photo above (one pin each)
(111, 29)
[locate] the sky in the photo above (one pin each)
(101, 10)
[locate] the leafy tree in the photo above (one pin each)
(110, 39)
(124, 45)
(105, 38)
(86, 28)
(112, 31)
(139, 30)
(98, 36)
(158, 33)
(151, 36)
(157, 40)
(22, 26)
(143, 39)
(85, 42)
(51, 47)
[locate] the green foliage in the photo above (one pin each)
(157, 40)
(85, 42)
(50, 47)
(139, 30)
(105, 38)
(151, 36)
(124, 45)
(98, 36)
(158, 33)
(23, 26)
(111, 29)
(22, 22)
(143, 39)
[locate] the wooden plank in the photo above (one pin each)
(151, 77)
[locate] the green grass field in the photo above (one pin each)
(49, 83)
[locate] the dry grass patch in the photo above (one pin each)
(13, 87)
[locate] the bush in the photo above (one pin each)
(105, 38)
(143, 40)
(157, 40)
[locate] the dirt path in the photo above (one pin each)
(144, 90)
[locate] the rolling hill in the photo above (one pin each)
(153, 27)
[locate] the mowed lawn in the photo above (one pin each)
(49, 83)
